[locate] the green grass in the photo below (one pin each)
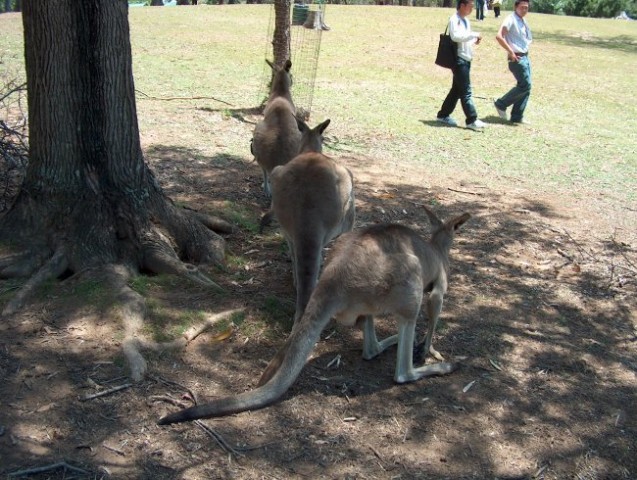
(377, 82)
(239, 215)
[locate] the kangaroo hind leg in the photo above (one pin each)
(371, 346)
(434, 307)
(405, 370)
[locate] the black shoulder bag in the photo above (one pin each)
(447, 51)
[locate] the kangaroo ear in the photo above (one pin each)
(435, 221)
(269, 63)
(321, 127)
(457, 222)
(288, 65)
(302, 125)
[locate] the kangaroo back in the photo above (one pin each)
(276, 138)
(313, 200)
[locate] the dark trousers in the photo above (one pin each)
(460, 90)
(496, 10)
(479, 9)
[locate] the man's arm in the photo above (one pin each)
(500, 37)
(460, 34)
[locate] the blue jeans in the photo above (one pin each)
(460, 90)
(518, 96)
(479, 9)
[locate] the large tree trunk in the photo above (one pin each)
(281, 39)
(88, 198)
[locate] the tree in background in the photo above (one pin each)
(11, 6)
(281, 41)
(89, 204)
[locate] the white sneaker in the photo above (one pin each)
(447, 121)
(501, 113)
(478, 125)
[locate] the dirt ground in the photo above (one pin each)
(540, 312)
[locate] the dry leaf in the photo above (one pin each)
(495, 364)
(221, 336)
(468, 386)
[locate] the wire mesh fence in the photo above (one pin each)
(305, 33)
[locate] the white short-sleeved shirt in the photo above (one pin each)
(518, 35)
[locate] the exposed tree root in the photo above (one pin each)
(158, 256)
(20, 265)
(131, 308)
(13, 258)
(55, 267)
(215, 224)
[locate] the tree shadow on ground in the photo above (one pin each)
(544, 332)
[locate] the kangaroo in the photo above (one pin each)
(276, 138)
(313, 200)
(374, 270)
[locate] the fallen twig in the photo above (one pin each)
(105, 392)
(218, 438)
(212, 320)
(581, 249)
(336, 360)
(170, 383)
(113, 449)
(376, 453)
(167, 399)
(46, 468)
(148, 97)
(463, 191)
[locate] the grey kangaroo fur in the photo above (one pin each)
(313, 200)
(276, 138)
(374, 270)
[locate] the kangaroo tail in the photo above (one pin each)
(291, 358)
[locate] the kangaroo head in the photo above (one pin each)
(444, 231)
(281, 78)
(312, 138)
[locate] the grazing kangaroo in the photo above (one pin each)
(276, 138)
(375, 270)
(313, 200)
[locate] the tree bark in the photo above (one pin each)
(88, 192)
(89, 202)
(281, 42)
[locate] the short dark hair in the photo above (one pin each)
(517, 2)
(463, 2)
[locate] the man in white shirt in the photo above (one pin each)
(515, 37)
(460, 32)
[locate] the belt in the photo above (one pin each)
(521, 54)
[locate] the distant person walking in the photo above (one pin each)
(460, 32)
(515, 37)
(480, 10)
(496, 4)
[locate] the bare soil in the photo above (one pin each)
(540, 312)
